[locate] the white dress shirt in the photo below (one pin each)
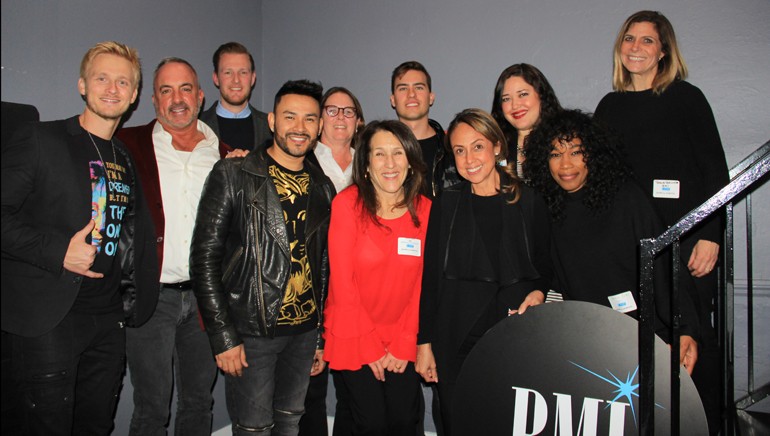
(341, 179)
(182, 175)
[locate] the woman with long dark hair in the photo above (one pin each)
(522, 96)
(376, 241)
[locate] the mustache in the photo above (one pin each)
(174, 107)
(304, 135)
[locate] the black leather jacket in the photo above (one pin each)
(444, 170)
(240, 258)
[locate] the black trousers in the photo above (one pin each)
(313, 422)
(384, 408)
(68, 379)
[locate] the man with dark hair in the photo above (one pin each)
(411, 96)
(78, 255)
(232, 118)
(260, 267)
(174, 154)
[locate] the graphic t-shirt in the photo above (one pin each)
(299, 311)
(110, 191)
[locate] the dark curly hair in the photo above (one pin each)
(607, 167)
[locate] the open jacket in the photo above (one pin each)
(138, 141)
(240, 259)
(444, 170)
(46, 198)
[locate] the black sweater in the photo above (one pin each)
(671, 136)
(596, 254)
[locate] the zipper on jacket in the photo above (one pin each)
(260, 289)
(308, 237)
(233, 262)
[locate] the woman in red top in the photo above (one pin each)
(376, 241)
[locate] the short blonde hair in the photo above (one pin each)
(671, 66)
(115, 48)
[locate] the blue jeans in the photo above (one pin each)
(171, 343)
(69, 378)
(269, 398)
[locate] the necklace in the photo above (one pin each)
(114, 156)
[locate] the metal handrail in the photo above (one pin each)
(743, 176)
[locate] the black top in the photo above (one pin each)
(237, 132)
(671, 136)
(463, 293)
(110, 189)
(596, 254)
(298, 313)
(430, 147)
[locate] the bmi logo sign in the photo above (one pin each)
(566, 369)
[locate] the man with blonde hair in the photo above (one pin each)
(78, 255)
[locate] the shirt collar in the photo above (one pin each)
(224, 113)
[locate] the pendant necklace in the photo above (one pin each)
(114, 156)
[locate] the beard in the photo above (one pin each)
(282, 143)
(182, 123)
(243, 98)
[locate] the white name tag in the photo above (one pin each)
(409, 247)
(623, 302)
(665, 188)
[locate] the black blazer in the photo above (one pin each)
(46, 199)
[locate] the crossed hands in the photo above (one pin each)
(388, 362)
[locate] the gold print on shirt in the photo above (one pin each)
(289, 185)
(297, 306)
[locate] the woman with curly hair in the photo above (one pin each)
(599, 216)
(522, 96)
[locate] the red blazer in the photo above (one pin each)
(138, 140)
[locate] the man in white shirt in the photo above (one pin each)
(174, 154)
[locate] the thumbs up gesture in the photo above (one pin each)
(80, 254)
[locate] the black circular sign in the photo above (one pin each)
(567, 368)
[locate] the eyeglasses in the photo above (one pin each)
(348, 112)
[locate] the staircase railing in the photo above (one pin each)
(745, 177)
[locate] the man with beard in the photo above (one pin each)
(260, 267)
(411, 96)
(232, 118)
(174, 154)
(77, 249)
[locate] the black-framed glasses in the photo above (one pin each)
(348, 112)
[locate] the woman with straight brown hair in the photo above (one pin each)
(673, 145)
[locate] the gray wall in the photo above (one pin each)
(465, 46)
(44, 40)
(357, 43)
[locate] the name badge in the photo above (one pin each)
(665, 188)
(409, 247)
(623, 302)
